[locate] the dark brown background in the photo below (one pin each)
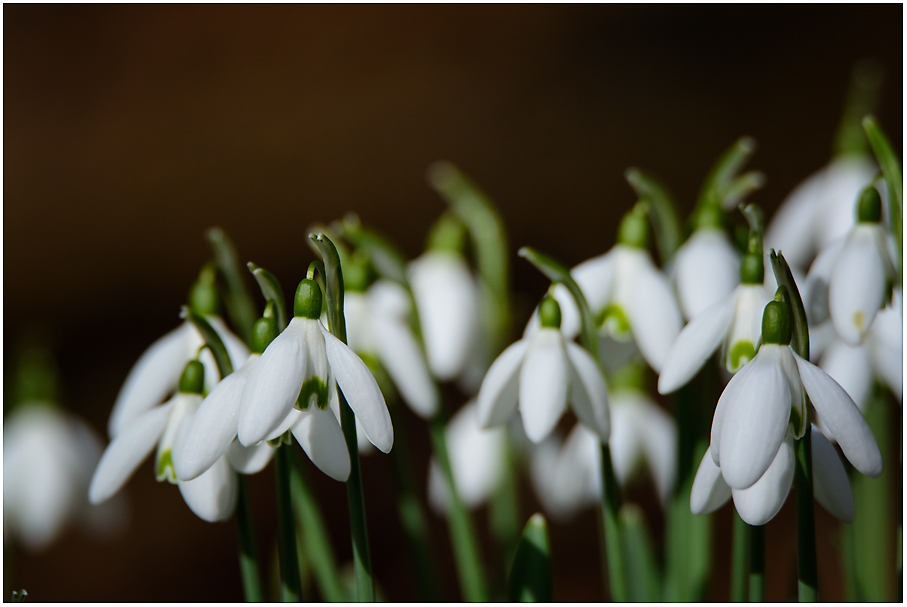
(131, 129)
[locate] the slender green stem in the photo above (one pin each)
(757, 563)
(248, 551)
(314, 536)
(462, 531)
(806, 526)
(362, 561)
(504, 509)
(611, 502)
(290, 585)
(740, 560)
(643, 575)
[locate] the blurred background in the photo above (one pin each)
(129, 130)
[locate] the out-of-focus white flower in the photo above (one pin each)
(477, 460)
(540, 373)
(48, 459)
(819, 210)
(706, 270)
(447, 299)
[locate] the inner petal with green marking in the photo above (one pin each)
(740, 353)
(614, 322)
(313, 392)
(164, 467)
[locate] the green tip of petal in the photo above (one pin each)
(550, 313)
(613, 319)
(869, 206)
(741, 353)
(307, 303)
(776, 324)
(263, 333)
(192, 381)
(313, 391)
(164, 468)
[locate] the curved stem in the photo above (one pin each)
(248, 551)
(806, 525)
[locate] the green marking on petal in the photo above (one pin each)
(613, 319)
(313, 387)
(279, 440)
(797, 423)
(742, 353)
(165, 468)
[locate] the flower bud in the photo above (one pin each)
(307, 303)
(192, 381)
(263, 333)
(550, 313)
(776, 324)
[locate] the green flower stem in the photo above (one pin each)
(611, 502)
(529, 580)
(462, 532)
(238, 299)
(644, 578)
(739, 560)
(314, 538)
(806, 526)
(272, 291)
(504, 509)
(757, 563)
(248, 551)
(662, 211)
(290, 585)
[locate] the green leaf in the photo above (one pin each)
(800, 329)
(642, 569)
(530, 574)
(212, 340)
(333, 284)
(662, 210)
(272, 291)
(891, 169)
(388, 260)
(717, 183)
(238, 300)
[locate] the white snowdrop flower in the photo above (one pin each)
(760, 503)
(477, 460)
(48, 459)
(706, 266)
(299, 368)
(211, 496)
(540, 374)
(819, 210)
(765, 402)
(734, 324)
(447, 300)
(157, 372)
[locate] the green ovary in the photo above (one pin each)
(165, 467)
(741, 353)
(613, 319)
(313, 387)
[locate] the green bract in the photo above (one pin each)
(263, 333)
(776, 324)
(308, 299)
(192, 381)
(550, 313)
(869, 206)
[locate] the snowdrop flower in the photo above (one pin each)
(819, 210)
(157, 372)
(764, 404)
(211, 496)
(540, 373)
(477, 460)
(48, 458)
(706, 267)
(760, 503)
(734, 324)
(299, 368)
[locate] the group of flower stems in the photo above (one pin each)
(288, 386)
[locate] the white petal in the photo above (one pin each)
(653, 315)
(815, 289)
(321, 438)
(791, 227)
(760, 503)
(755, 409)
(626, 442)
(820, 338)
(154, 376)
(658, 432)
(498, 396)
(236, 349)
(577, 475)
(589, 394)
(707, 270)
(886, 348)
(249, 460)
(695, 345)
(543, 384)
(213, 427)
(844, 179)
(595, 278)
(357, 310)
(745, 330)
(857, 286)
(273, 386)
(831, 487)
(401, 356)
(293, 417)
(132, 445)
(212, 496)
(849, 366)
(710, 492)
(361, 392)
(842, 417)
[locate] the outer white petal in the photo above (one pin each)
(658, 433)
(849, 366)
(886, 348)
(842, 418)
(361, 392)
(707, 269)
(791, 227)
(249, 460)
(746, 325)
(820, 338)
(543, 383)
(831, 487)
(212, 496)
(273, 386)
(815, 289)
(447, 300)
(133, 444)
(213, 427)
(760, 503)
(498, 396)
(153, 377)
(577, 475)
(403, 359)
(357, 310)
(653, 315)
(321, 438)
(626, 443)
(755, 411)
(542, 472)
(857, 287)
(695, 345)
(844, 179)
(589, 395)
(710, 492)
(236, 349)
(595, 278)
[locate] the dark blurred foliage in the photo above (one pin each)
(130, 129)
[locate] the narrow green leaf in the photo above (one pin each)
(663, 211)
(891, 169)
(807, 568)
(715, 187)
(333, 279)
(741, 187)
(530, 574)
(212, 340)
(739, 560)
(784, 277)
(642, 568)
(249, 567)
(272, 291)
(240, 307)
(388, 260)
